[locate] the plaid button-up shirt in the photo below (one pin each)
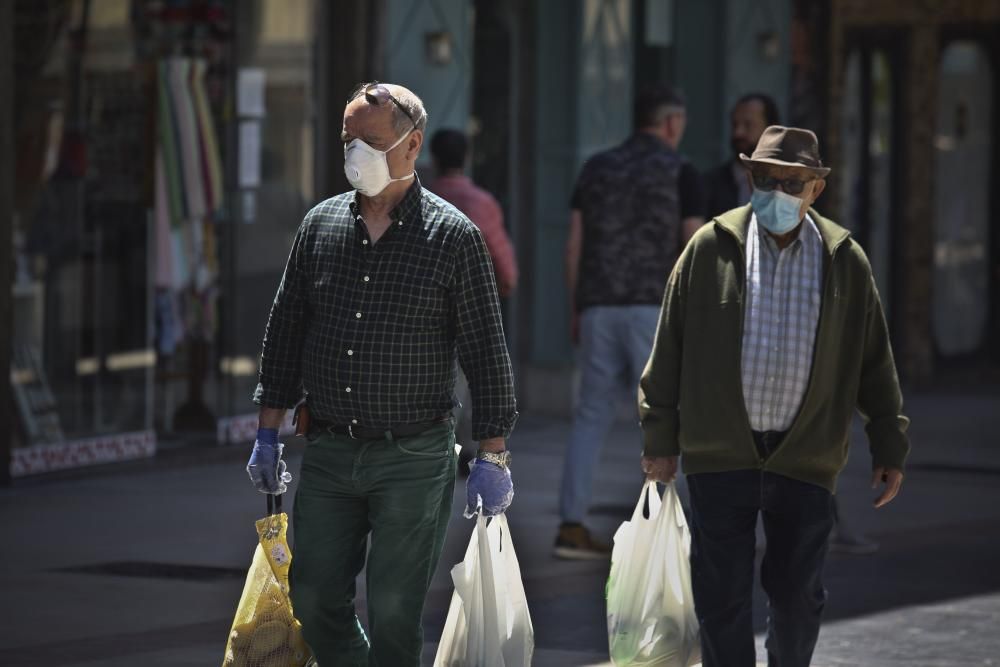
(372, 331)
(779, 323)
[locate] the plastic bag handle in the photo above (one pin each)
(644, 506)
(273, 504)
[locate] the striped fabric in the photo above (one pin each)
(779, 324)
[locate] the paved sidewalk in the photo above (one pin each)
(143, 564)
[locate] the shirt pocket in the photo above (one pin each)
(416, 303)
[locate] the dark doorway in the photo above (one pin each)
(870, 148)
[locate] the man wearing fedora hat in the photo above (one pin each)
(770, 335)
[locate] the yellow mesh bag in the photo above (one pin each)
(265, 632)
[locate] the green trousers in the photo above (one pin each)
(398, 492)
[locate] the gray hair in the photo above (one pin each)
(413, 105)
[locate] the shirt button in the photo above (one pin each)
(366, 278)
(357, 315)
(364, 242)
(354, 421)
(400, 223)
(350, 353)
(348, 390)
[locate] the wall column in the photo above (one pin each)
(582, 103)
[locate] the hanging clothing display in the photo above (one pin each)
(189, 195)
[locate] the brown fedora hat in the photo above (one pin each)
(787, 147)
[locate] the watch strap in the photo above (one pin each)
(501, 459)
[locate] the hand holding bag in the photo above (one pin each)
(265, 632)
(651, 617)
(488, 622)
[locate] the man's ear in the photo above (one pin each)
(414, 143)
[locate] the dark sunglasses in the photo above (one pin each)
(377, 94)
(791, 186)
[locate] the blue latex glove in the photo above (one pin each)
(266, 469)
(490, 486)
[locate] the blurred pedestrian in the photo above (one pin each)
(771, 335)
(726, 186)
(633, 209)
(448, 150)
(384, 287)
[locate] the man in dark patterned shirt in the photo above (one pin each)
(385, 288)
(633, 209)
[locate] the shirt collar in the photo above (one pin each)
(408, 206)
(808, 237)
(737, 224)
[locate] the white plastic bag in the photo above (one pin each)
(651, 616)
(488, 622)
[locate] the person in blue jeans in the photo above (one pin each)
(771, 336)
(633, 209)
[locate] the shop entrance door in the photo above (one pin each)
(868, 178)
(964, 169)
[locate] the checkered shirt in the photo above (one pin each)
(372, 331)
(779, 324)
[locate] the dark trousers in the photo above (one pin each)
(398, 493)
(797, 520)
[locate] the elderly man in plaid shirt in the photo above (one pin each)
(771, 335)
(385, 288)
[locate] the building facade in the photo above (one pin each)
(142, 282)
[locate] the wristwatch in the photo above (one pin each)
(501, 459)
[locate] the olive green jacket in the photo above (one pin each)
(691, 393)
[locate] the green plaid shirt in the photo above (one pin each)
(372, 331)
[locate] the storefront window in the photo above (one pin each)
(134, 251)
(277, 135)
(83, 363)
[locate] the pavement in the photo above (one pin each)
(143, 563)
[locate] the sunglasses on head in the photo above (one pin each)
(791, 186)
(377, 94)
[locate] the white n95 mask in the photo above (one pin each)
(367, 169)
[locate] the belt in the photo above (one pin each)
(767, 441)
(370, 433)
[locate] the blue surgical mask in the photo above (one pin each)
(776, 211)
